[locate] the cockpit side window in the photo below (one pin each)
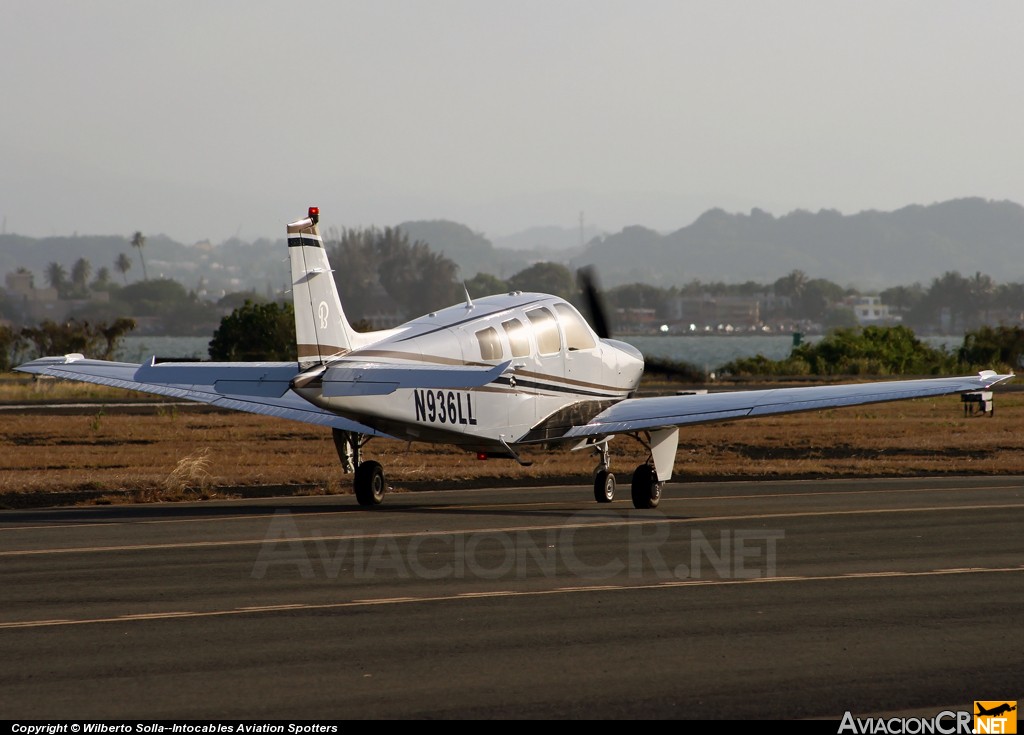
(490, 344)
(548, 340)
(518, 339)
(577, 334)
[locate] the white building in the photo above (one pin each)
(870, 311)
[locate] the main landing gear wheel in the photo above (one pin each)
(604, 486)
(369, 483)
(646, 488)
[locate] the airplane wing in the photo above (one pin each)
(636, 414)
(255, 387)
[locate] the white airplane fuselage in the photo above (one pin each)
(561, 374)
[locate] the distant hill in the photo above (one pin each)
(870, 249)
(470, 250)
(473, 252)
(550, 238)
(867, 250)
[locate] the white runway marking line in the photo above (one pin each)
(498, 506)
(265, 608)
(748, 496)
(162, 521)
(662, 585)
(271, 514)
(592, 588)
(157, 615)
(621, 521)
(116, 524)
(384, 600)
(954, 570)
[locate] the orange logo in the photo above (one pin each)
(998, 718)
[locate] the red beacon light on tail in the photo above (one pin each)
(314, 214)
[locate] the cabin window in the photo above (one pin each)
(548, 340)
(518, 339)
(577, 334)
(490, 345)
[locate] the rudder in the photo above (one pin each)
(321, 329)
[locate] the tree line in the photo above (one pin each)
(78, 286)
(374, 265)
(895, 350)
(383, 270)
(952, 300)
(100, 340)
(266, 331)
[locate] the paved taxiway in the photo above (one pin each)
(732, 600)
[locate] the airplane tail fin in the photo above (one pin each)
(321, 329)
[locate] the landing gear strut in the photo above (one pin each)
(647, 480)
(369, 482)
(347, 444)
(604, 480)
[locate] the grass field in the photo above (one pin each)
(156, 452)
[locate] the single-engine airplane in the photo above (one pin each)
(492, 375)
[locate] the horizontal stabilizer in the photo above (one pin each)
(377, 379)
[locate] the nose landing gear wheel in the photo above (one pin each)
(604, 487)
(646, 489)
(369, 483)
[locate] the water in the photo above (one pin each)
(708, 352)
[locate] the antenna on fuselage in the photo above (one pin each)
(469, 301)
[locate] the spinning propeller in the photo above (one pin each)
(598, 316)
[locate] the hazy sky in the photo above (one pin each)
(216, 118)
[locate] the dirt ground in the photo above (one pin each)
(102, 453)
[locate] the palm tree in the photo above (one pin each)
(123, 265)
(80, 273)
(139, 241)
(102, 278)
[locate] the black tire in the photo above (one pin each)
(646, 489)
(369, 483)
(604, 487)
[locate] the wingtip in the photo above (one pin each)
(40, 364)
(991, 377)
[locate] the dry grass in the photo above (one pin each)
(20, 388)
(171, 453)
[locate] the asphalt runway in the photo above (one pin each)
(746, 600)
